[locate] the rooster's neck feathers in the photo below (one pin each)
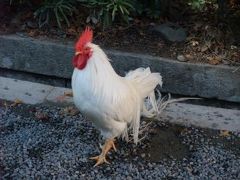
(99, 62)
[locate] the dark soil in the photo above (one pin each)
(166, 142)
(208, 40)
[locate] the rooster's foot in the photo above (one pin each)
(109, 144)
(100, 160)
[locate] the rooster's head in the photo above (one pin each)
(82, 51)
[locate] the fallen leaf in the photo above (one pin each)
(181, 58)
(61, 98)
(189, 56)
(33, 110)
(194, 43)
(142, 33)
(41, 116)
(26, 15)
(207, 45)
(235, 56)
(233, 47)
(137, 21)
(68, 93)
(197, 26)
(160, 45)
(94, 20)
(213, 60)
(33, 33)
(5, 105)
(72, 111)
(183, 131)
(16, 102)
(224, 133)
(204, 48)
(120, 28)
(71, 31)
(88, 19)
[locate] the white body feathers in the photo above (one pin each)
(114, 103)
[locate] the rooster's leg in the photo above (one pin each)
(108, 145)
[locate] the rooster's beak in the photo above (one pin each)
(77, 53)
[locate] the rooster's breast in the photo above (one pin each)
(105, 96)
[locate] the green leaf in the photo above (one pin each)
(114, 13)
(121, 9)
(64, 16)
(57, 17)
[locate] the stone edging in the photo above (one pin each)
(54, 59)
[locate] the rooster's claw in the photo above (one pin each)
(100, 160)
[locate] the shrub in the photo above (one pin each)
(60, 10)
(16, 1)
(197, 4)
(46, 10)
(151, 8)
(106, 11)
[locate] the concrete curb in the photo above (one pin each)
(54, 59)
(178, 113)
(32, 93)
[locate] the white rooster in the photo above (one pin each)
(113, 103)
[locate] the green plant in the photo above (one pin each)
(151, 8)
(197, 4)
(17, 1)
(59, 10)
(108, 10)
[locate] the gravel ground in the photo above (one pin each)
(53, 142)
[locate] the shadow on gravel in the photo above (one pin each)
(166, 143)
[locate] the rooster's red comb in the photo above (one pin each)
(85, 38)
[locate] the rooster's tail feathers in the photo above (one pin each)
(145, 82)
